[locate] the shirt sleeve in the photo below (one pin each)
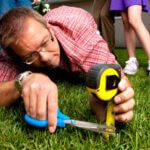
(77, 33)
(8, 70)
(75, 23)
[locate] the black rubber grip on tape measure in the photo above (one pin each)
(94, 74)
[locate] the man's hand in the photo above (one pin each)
(40, 97)
(124, 101)
(35, 1)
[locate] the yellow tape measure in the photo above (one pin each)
(102, 81)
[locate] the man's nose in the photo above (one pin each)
(43, 56)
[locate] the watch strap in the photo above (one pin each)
(19, 78)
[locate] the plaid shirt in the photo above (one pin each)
(77, 34)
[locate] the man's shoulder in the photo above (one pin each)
(71, 18)
(66, 11)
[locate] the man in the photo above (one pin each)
(66, 38)
(105, 21)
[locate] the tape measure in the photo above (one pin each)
(102, 81)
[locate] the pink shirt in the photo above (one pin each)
(77, 34)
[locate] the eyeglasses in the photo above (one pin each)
(33, 56)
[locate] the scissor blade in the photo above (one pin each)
(92, 126)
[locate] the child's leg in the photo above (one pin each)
(128, 35)
(135, 20)
(132, 64)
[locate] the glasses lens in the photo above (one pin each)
(31, 58)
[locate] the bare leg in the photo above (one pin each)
(134, 15)
(129, 35)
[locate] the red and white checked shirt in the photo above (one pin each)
(76, 32)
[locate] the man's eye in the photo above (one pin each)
(45, 44)
(30, 56)
(34, 54)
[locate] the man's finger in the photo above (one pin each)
(124, 96)
(52, 110)
(32, 101)
(42, 105)
(124, 83)
(25, 96)
(126, 117)
(124, 107)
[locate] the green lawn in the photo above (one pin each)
(16, 134)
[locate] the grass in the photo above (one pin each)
(16, 134)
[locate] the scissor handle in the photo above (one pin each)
(44, 123)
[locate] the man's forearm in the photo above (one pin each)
(8, 93)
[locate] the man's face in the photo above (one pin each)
(37, 45)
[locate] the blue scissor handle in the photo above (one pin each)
(44, 123)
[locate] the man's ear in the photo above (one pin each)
(48, 25)
(52, 32)
(50, 28)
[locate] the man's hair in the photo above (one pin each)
(12, 24)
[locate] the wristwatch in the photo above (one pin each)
(18, 80)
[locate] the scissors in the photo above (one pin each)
(63, 120)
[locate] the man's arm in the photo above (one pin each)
(8, 93)
(39, 93)
(40, 96)
(8, 73)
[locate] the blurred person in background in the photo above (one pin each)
(131, 11)
(105, 21)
